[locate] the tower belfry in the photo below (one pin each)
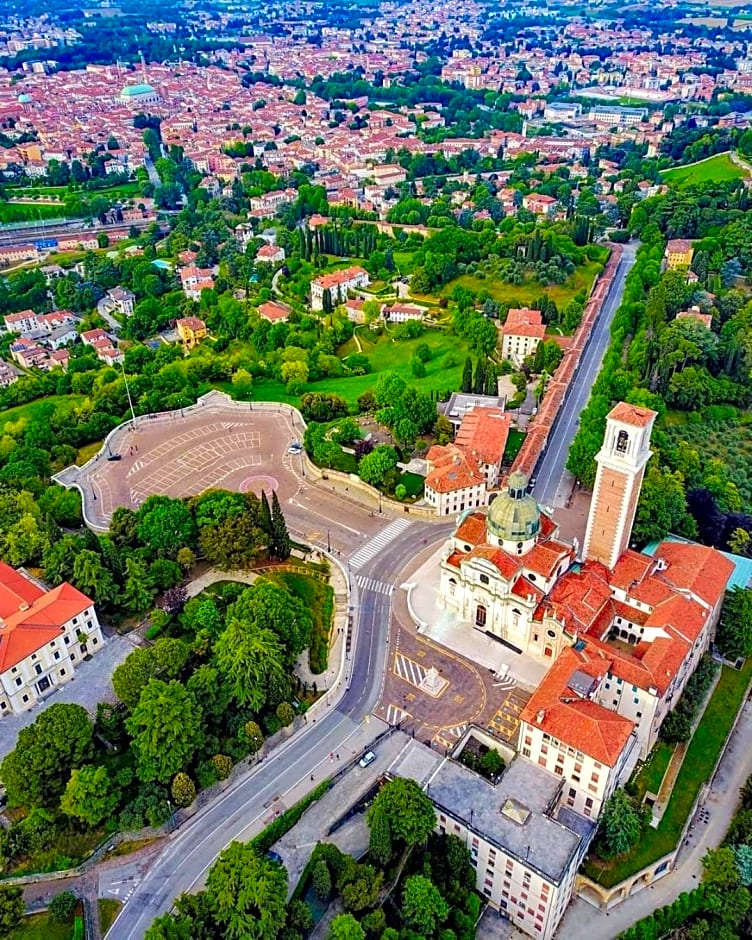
(621, 466)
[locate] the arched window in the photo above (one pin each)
(622, 442)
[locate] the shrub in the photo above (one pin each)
(63, 907)
(183, 789)
(285, 713)
(223, 765)
(206, 774)
(253, 737)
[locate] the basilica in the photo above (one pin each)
(631, 626)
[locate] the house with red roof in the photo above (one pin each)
(521, 332)
(44, 635)
(338, 285)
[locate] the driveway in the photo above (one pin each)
(91, 684)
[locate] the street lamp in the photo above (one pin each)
(128, 392)
(328, 542)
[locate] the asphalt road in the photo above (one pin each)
(183, 864)
(554, 460)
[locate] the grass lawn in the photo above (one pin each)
(405, 261)
(715, 169)
(41, 927)
(514, 442)
(35, 409)
(318, 598)
(87, 452)
(109, 909)
(521, 295)
(699, 762)
(413, 483)
(650, 777)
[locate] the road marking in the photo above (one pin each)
(376, 544)
(508, 682)
(371, 584)
(395, 714)
(408, 669)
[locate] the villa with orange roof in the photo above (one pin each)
(339, 284)
(43, 636)
(521, 333)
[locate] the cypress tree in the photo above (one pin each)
(479, 384)
(380, 839)
(492, 385)
(279, 541)
(467, 376)
(266, 514)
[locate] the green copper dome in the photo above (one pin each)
(514, 516)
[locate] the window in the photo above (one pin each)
(544, 749)
(14, 670)
(66, 640)
(56, 654)
(558, 769)
(26, 698)
(622, 442)
(526, 752)
(38, 669)
(33, 656)
(480, 616)
(19, 681)
(528, 739)
(638, 714)
(3, 706)
(483, 579)
(62, 672)
(588, 801)
(94, 642)
(595, 778)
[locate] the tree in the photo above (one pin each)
(91, 795)
(223, 765)
(138, 592)
(183, 789)
(423, 907)
(12, 909)
(63, 907)
(620, 825)
(662, 505)
(250, 658)
(418, 367)
(92, 578)
(164, 660)
(345, 927)
(279, 538)
(467, 376)
(166, 730)
(165, 525)
(322, 880)
(377, 467)
(248, 894)
(409, 812)
(36, 771)
(294, 375)
(380, 838)
(253, 737)
(734, 635)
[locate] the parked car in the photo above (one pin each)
(368, 758)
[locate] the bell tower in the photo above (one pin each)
(621, 466)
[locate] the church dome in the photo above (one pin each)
(514, 516)
(24, 98)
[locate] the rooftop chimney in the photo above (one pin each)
(540, 716)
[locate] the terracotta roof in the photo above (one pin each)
(453, 470)
(678, 246)
(484, 432)
(561, 711)
(272, 310)
(30, 617)
(632, 414)
(690, 567)
(336, 278)
(522, 321)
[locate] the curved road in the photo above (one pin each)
(183, 864)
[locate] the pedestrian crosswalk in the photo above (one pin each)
(371, 584)
(372, 548)
(505, 683)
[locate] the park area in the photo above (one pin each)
(717, 169)
(526, 293)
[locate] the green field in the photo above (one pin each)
(386, 355)
(717, 169)
(109, 909)
(514, 442)
(41, 927)
(651, 774)
(124, 190)
(35, 409)
(318, 598)
(702, 754)
(521, 295)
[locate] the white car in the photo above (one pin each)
(368, 758)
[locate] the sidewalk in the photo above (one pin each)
(584, 921)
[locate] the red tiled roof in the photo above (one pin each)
(632, 414)
(31, 617)
(559, 710)
(484, 432)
